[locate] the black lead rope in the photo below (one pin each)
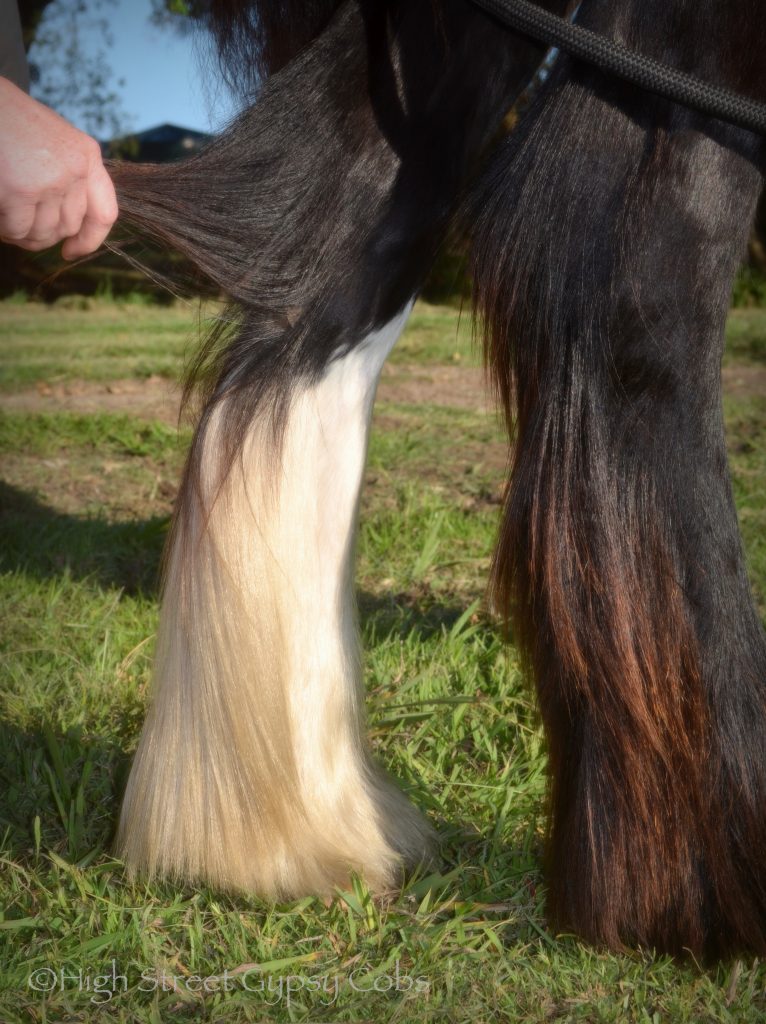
(613, 57)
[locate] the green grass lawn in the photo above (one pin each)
(89, 339)
(83, 512)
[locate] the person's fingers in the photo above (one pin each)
(73, 209)
(100, 215)
(45, 227)
(53, 183)
(16, 221)
(42, 159)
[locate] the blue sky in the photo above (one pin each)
(164, 78)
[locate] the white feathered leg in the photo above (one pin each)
(253, 770)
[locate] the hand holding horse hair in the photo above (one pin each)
(53, 185)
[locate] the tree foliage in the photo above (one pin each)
(67, 47)
(178, 14)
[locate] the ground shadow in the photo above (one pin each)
(59, 791)
(47, 543)
(42, 771)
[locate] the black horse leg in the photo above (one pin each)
(609, 231)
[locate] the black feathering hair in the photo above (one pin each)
(606, 233)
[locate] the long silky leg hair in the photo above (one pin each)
(607, 233)
(319, 212)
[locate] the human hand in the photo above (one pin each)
(53, 184)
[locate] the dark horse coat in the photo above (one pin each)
(606, 231)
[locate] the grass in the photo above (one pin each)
(92, 339)
(88, 339)
(83, 514)
(745, 338)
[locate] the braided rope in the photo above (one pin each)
(635, 68)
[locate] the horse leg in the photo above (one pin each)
(253, 771)
(320, 212)
(619, 557)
